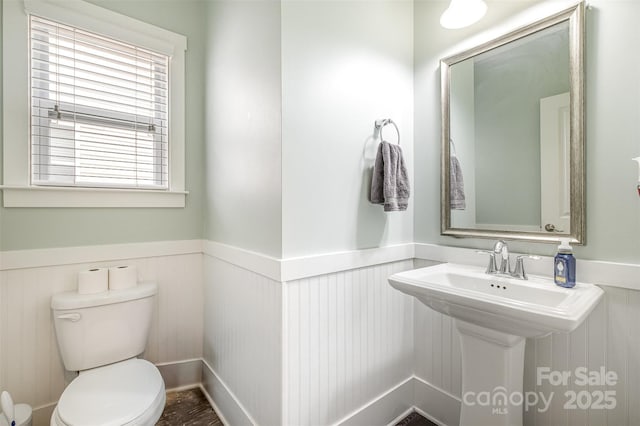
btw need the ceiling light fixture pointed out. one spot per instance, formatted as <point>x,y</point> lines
<point>462,13</point>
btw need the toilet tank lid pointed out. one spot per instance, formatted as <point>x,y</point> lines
<point>74,300</point>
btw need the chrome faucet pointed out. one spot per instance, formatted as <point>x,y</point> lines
<point>500,249</point>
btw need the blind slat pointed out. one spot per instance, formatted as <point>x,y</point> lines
<point>61,56</point>
<point>125,157</point>
<point>139,155</point>
<point>98,110</point>
<point>105,83</point>
<point>118,76</point>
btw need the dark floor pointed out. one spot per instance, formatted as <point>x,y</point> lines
<point>188,408</point>
<point>191,408</point>
<point>415,419</point>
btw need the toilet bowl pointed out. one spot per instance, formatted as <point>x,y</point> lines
<point>100,336</point>
<point>127,393</point>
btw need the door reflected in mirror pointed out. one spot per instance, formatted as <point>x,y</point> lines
<point>512,137</point>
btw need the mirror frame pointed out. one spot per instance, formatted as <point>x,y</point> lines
<point>575,15</point>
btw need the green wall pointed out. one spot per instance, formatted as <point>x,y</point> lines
<point>243,200</point>
<point>612,132</point>
<point>30,228</point>
<point>508,89</point>
<point>612,125</point>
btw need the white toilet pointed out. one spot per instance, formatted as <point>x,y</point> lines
<point>100,335</point>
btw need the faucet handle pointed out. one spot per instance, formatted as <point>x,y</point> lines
<point>491,267</point>
<point>519,271</point>
<point>500,247</point>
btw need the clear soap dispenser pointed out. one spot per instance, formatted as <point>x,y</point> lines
<point>564,265</point>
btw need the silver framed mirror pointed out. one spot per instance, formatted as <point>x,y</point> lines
<point>512,141</point>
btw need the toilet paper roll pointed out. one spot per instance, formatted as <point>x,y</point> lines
<point>121,277</point>
<point>93,281</point>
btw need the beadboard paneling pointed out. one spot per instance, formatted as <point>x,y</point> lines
<point>348,340</point>
<point>437,354</point>
<point>30,364</point>
<point>609,337</point>
<point>243,338</point>
<point>176,333</point>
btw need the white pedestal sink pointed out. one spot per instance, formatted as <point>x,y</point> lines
<point>494,315</point>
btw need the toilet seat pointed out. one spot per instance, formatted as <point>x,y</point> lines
<point>127,393</point>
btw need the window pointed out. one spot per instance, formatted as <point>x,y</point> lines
<point>105,112</point>
<point>98,110</point>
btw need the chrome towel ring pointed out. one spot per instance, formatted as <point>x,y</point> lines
<point>379,125</point>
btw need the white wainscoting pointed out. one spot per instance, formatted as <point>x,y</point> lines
<point>348,340</point>
<point>30,365</point>
<point>333,326</point>
<point>332,343</point>
<point>329,349</point>
<point>609,338</point>
<point>243,343</point>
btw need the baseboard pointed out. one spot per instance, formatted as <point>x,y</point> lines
<point>383,409</point>
<point>181,375</point>
<point>41,415</point>
<point>402,416</point>
<point>437,405</point>
<point>412,394</point>
<point>227,406</point>
<point>215,407</point>
<point>428,417</point>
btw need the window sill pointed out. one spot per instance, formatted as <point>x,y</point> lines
<point>37,196</point>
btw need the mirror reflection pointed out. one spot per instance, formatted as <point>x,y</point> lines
<point>512,133</point>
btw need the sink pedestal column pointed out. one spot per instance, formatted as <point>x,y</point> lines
<point>492,372</point>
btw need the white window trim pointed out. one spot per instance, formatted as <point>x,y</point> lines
<point>16,188</point>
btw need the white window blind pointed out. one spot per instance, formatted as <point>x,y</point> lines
<point>99,110</point>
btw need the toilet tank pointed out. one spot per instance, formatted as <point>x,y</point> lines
<point>103,328</point>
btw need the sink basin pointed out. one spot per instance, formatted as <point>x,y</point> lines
<point>493,316</point>
<point>528,308</point>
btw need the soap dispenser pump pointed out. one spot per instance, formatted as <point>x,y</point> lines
<point>564,265</point>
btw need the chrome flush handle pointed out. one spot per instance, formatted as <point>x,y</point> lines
<point>73,317</point>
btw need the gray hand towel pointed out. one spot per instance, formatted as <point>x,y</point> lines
<point>390,182</point>
<point>456,185</point>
